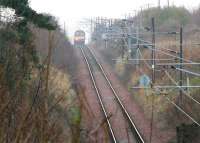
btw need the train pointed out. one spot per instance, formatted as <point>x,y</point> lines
<point>79,39</point>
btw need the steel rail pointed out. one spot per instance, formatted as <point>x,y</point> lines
<point>138,135</point>
<point>100,99</point>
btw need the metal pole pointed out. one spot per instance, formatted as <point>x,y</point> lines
<point>106,44</point>
<point>0,13</point>
<point>153,51</point>
<point>65,29</point>
<point>181,65</point>
<point>129,46</point>
<point>168,3</point>
<point>159,4</point>
<point>153,75</point>
<point>180,140</point>
<point>141,17</point>
<point>138,46</point>
<point>91,28</point>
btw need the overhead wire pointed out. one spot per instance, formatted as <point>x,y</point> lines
<point>187,71</point>
<point>181,110</point>
<point>170,77</point>
<point>185,93</point>
<point>149,47</point>
<point>186,60</point>
<point>145,61</point>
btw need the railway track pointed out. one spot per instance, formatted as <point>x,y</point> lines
<point>94,66</point>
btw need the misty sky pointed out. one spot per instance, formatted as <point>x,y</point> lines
<point>74,11</point>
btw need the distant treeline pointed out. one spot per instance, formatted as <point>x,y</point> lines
<point>171,17</point>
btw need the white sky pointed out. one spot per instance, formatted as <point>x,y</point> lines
<point>73,11</point>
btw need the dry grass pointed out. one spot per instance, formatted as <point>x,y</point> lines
<point>23,118</point>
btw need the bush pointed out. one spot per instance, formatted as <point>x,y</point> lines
<point>167,17</point>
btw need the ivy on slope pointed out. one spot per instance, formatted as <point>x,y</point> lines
<point>17,51</point>
<point>23,9</point>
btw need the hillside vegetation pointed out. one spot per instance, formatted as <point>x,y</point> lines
<point>38,102</point>
<point>167,18</point>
